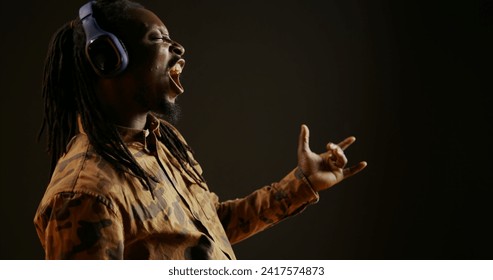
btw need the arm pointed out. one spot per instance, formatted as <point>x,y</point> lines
<point>80,226</point>
<point>267,206</point>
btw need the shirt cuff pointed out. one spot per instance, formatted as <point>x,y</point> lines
<point>298,173</point>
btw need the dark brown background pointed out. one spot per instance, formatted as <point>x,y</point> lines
<point>409,79</point>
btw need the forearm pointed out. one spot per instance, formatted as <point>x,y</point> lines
<point>266,207</point>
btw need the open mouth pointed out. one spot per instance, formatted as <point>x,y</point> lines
<point>174,74</point>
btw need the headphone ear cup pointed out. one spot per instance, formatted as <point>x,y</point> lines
<point>107,55</point>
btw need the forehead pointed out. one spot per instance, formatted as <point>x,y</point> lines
<point>142,21</point>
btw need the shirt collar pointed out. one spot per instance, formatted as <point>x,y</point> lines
<point>131,135</point>
<point>146,137</point>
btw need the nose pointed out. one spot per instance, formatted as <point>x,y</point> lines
<point>177,49</point>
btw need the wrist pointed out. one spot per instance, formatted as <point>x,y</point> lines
<point>300,175</point>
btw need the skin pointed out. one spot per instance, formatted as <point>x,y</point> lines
<point>145,86</point>
<point>326,169</point>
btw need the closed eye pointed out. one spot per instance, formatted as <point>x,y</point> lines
<point>164,38</point>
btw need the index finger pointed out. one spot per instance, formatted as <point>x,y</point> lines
<point>346,142</point>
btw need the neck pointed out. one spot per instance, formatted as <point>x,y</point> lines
<point>125,116</point>
<point>119,105</point>
<point>134,122</point>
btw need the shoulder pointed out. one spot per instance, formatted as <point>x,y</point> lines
<point>82,170</point>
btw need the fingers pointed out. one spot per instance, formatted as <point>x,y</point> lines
<point>348,172</point>
<point>345,143</point>
<point>336,157</point>
<point>304,139</point>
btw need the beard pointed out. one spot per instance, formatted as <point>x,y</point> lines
<point>163,108</point>
<point>168,111</point>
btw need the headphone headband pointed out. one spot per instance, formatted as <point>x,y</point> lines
<point>104,51</point>
<point>85,10</point>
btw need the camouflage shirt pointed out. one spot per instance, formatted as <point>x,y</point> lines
<point>91,211</point>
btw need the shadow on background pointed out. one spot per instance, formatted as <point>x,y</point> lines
<point>409,80</point>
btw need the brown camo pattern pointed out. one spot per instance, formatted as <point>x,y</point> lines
<point>89,211</point>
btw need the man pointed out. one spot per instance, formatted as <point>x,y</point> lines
<point>124,182</point>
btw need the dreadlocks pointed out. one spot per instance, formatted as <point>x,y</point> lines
<point>69,94</point>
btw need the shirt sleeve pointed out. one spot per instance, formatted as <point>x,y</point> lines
<point>265,207</point>
<point>80,226</point>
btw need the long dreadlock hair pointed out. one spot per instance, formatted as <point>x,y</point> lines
<point>68,90</point>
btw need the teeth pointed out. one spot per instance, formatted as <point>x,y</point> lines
<point>176,69</point>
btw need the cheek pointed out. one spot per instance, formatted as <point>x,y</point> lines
<point>149,69</point>
<point>159,58</point>
<point>150,58</point>
<point>158,84</point>
<point>158,66</point>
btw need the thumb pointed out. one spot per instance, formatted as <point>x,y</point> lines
<point>304,140</point>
